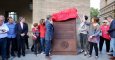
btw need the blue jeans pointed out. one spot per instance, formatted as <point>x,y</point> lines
<point>35,46</point>
<point>42,42</point>
<point>113,45</point>
<point>3,43</point>
<point>48,46</point>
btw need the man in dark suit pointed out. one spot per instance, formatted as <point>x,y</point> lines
<point>48,35</point>
<point>21,32</point>
<point>112,35</point>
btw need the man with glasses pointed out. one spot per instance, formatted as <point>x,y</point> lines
<point>3,34</point>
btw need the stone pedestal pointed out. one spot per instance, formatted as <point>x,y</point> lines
<point>64,41</point>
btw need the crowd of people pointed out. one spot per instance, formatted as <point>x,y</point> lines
<point>94,33</point>
<point>14,37</point>
<point>42,36</point>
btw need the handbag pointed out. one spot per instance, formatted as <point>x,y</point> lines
<point>93,39</point>
<point>34,38</point>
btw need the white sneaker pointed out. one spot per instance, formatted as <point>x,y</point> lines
<point>85,53</point>
<point>42,53</point>
<point>49,53</point>
<point>89,55</point>
<point>81,51</point>
<point>96,57</point>
<point>108,53</point>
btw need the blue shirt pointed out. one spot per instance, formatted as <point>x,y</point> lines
<point>112,29</point>
<point>11,32</point>
<point>49,30</point>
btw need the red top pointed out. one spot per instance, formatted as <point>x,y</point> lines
<point>104,30</point>
<point>35,31</point>
<point>42,30</point>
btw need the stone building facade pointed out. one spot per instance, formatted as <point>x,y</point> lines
<point>19,7</point>
<point>34,10</point>
<point>107,8</point>
<point>42,8</point>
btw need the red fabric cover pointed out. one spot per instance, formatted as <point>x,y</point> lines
<point>65,15</point>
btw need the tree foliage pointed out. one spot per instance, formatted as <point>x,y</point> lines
<point>94,12</point>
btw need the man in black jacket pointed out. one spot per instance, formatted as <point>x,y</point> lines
<point>21,32</point>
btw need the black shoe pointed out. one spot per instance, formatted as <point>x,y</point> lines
<point>85,54</point>
<point>32,50</point>
<point>27,47</point>
<point>19,56</point>
<point>47,54</point>
<point>110,54</point>
<point>23,54</point>
<point>13,55</point>
<point>8,57</point>
<point>35,53</point>
<point>5,59</point>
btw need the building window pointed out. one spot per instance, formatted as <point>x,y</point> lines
<point>13,15</point>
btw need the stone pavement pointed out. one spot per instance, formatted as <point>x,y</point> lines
<point>31,56</point>
<point>60,57</point>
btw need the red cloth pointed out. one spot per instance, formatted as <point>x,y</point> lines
<point>65,15</point>
<point>104,30</point>
<point>42,31</point>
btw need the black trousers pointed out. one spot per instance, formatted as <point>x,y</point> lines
<point>11,42</point>
<point>95,47</point>
<point>8,47</point>
<point>101,44</point>
<point>26,43</point>
<point>21,46</point>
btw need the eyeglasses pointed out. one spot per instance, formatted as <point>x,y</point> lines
<point>104,22</point>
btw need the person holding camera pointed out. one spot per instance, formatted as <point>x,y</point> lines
<point>3,37</point>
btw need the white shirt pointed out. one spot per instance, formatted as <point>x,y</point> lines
<point>83,28</point>
<point>3,35</point>
<point>21,25</point>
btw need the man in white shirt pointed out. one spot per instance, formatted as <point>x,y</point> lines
<point>3,34</point>
<point>21,32</point>
<point>83,33</point>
